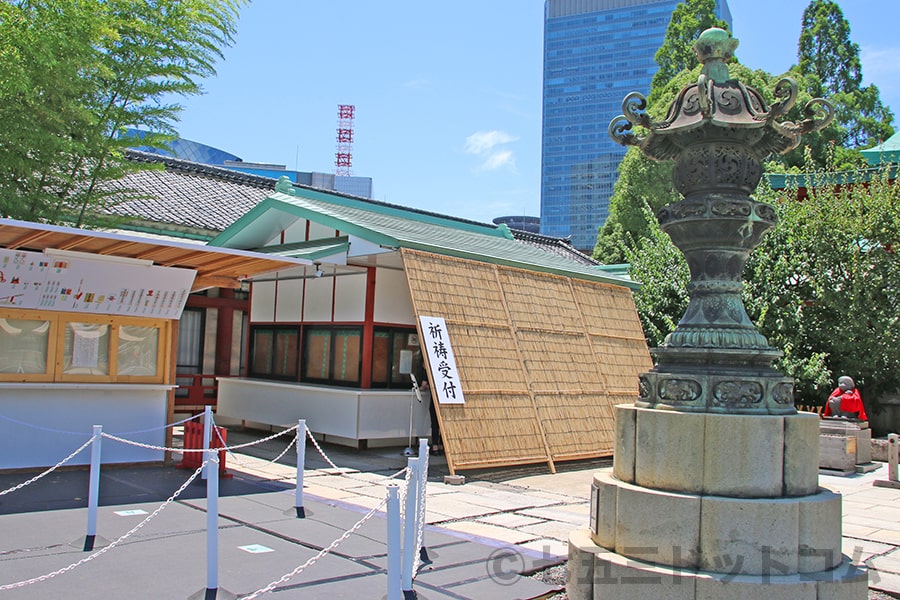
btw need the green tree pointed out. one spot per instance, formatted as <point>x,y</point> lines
<point>827,55</point>
<point>824,286</point>
<point>48,60</point>
<point>75,74</point>
<point>642,183</point>
<point>830,64</point>
<point>663,272</point>
<point>689,19</point>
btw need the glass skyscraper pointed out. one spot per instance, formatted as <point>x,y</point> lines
<point>595,52</point>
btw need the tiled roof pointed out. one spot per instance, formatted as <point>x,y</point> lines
<point>206,197</point>
<point>561,247</point>
<point>201,201</point>
<point>399,228</point>
<point>188,196</point>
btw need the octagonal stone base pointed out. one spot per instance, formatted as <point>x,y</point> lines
<point>712,506</point>
<point>596,573</point>
<point>740,536</point>
<point>746,456</point>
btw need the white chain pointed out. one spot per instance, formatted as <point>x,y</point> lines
<point>339,470</point>
<point>241,463</point>
<point>166,449</point>
<point>51,469</point>
<point>420,509</point>
<point>116,438</point>
<point>260,441</point>
<point>403,491</point>
<point>315,558</point>
<point>319,448</point>
<point>111,545</point>
<point>166,426</point>
<point>397,474</point>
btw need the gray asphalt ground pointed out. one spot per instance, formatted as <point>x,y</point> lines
<point>260,539</point>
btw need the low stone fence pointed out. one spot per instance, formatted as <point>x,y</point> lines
<point>880,449</point>
<point>879,445</point>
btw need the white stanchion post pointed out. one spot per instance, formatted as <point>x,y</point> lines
<point>212,524</point>
<point>422,489</point>
<point>207,430</point>
<point>393,542</point>
<point>409,524</point>
<point>93,490</point>
<point>301,465</point>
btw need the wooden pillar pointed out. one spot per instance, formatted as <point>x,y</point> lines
<point>368,339</point>
<point>224,334</point>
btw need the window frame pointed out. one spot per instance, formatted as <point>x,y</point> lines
<point>186,368</point>
<point>332,330</point>
<point>418,370</point>
<point>55,359</point>
<point>274,330</point>
<point>49,359</point>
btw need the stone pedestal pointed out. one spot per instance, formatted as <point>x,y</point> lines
<point>712,506</point>
<point>845,445</point>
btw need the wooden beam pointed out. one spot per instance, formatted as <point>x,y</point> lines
<point>115,249</point>
<point>74,242</point>
<point>203,282</point>
<point>25,240</point>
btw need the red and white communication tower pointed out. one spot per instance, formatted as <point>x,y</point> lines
<point>344,155</point>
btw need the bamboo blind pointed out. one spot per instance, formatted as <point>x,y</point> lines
<point>542,360</point>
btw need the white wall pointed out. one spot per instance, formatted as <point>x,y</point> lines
<point>296,232</point>
<point>262,304</point>
<point>317,231</point>
<point>318,299</point>
<point>347,293</point>
<point>350,297</point>
<point>289,302</point>
<point>393,303</point>
<point>344,412</point>
<point>42,423</point>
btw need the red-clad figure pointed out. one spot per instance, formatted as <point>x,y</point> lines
<point>845,401</point>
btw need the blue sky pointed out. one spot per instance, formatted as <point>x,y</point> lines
<point>447,94</point>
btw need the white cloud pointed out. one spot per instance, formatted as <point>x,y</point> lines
<point>485,145</point>
<point>482,142</point>
<point>496,160</point>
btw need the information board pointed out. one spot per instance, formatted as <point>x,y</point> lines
<point>41,281</point>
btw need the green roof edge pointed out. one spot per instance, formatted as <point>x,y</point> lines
<point>282,202</point>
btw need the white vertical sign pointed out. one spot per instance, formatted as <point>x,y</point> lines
<point>441,361</point>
